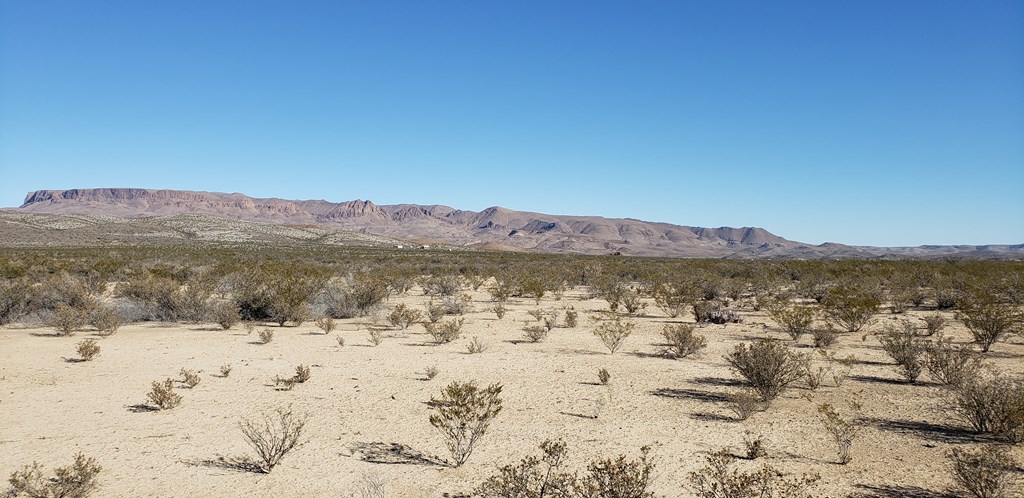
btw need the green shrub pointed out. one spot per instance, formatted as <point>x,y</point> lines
<point>464,413</point>
<point>901,343</point>
<point>681,341</point>
<point>849,308</point>
<point>768,366</point>
<point>934,324</point>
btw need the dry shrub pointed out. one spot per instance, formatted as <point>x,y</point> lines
<point>464,412</point>
<point>225,314</point>
<point>571,318</point>
<point>714,312</point>
<point>341,341</point>
<point>14,299</point>
<point>536,333</point>
<point>402,316</point>
<point>843,431</point>
<point>88,349</point>
<point>717,479</point>
<point>681,341</point>
<point>950,364</point>
<point>457,305</point>
<point>225,370</point>
<point>326,324</point>
<point>441,285</point>
<point>431,372</point>
<point>901,343</point>
<point>537,314</point>
<point>266,335</point>
<point>106,320</point>
<point>476,346</point>
<point>991,405</point>
<point>934,324</point>
<point>302,374</point>
<point>768,366</point>
<point>984,473</point>
<point>603,376</point>
<point>672,299</point>
<point>989,318</point>
<point>77,481</point>
<point>745,403</point>
<point>189,377</point>
<point>849,308</point>
<point>542,476</point>
<point>613,331</point>
<point>163,396</point>
<point>618,478</point>
<point>445,331</point>
<point>824,336</point>
<point>273,436</point>
<point>753,446</point>
<point>376,336</point>
<point>794,319</point>
<point>499,310</point>
<point>67,319</point>
<point>434,312</point>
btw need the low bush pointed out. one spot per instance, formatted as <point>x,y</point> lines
<point>603,376</point>
<point>499,310</point>
<point>457,305</point>
<point>991,405</point>
<point>745,403</point>
<point>266,335</point>
<point>434,312</point>
<point>402,316</point>
<point>76,481</point>
<point>613,331</point>
<point>274,436</point>
<point>536,333</point>
<point>376,336</point>
<point>445,331</point>
<point>842,431</point>
<point>225,314</point>
<point>326,324</point>
<point>88,349</point>
<point>717,479</point>
<point>571,318</point>
<point>934,324</point>
<point>106,320</point>
<point>850,308</point>
<point>824,336</point>
<point>431,372</point>
<point>464,413</point>
<point>67,319</point>
<point>618,477</point>
<point>190,378</point>
<point>714,312</point>
<point>949,364</point>
<point>225,370</point>
<point>901,343</point>
<point>795,320</point>
<point>768,366</point>
<point>476,346</point>
<point>987,472</point>
<point>163,396</point>
<point>989,318</point>
<point>681,341</point>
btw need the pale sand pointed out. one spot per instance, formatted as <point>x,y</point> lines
<point>361,395</point>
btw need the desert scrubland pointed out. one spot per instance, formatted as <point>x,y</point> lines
<point>769,369</point>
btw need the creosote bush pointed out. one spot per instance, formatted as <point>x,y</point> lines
<point>76,481</point>
<point>163,396</point>
<point>951,364</point>
<point>901,343</point>
<point>849,308</point>
<point>745,403</point>
<point>613,331</point>
<point>476,346</point>
<point>934,324</point>
<point>571,318</point>
<point>603,376</point>
<point>989,318</point>
<point>681,341</point>
<point>431,372</point>
<point>536,333</point>
<point>274,436</point>
<point>842,431</point>
<point>266,335</point>
<point>991,405</point>
<point>542,476</point>
<point>225,370</point>
<point>768,366</point>
<point>376,336</point>
<point>796,320</point>
<point>67,319</point>
<point>226,315</point>
<point>499,310</point>
<point>105,320</point>
<point>717,479</point>
<point>326,324</point>
<point>986,472</point>
<point>88,349</point>
<point>445,331</point>
<point>464,413</point>
<point>189,377</point>
<point>824,336</point>
<point>402,316</point>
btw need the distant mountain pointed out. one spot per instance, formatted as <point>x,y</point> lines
<point>492,228</point>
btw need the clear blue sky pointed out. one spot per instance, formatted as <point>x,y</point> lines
<point>863,122</point>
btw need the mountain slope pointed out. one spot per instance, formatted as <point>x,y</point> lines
<point>493,227</point>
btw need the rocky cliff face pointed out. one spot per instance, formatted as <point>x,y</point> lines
<point>492,227</point>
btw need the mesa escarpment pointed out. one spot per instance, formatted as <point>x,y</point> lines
<point>491,227</point>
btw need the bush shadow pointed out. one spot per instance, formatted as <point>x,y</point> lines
<point>393,453</point>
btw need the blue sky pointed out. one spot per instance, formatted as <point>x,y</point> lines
<point>875,123</point>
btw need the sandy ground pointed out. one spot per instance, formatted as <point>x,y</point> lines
<point>362,398</point>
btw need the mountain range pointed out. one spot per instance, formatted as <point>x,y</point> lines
<point>124,215</point>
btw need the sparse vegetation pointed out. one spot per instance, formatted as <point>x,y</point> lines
<point>842,431</point>
<point>225,370</point>
<point>88,349</point>
<point>445,331</point>
<point>476,346</point>
<point>681,341</point>
<point>326,324</point>
<point>266,335</point>
<point>901,343</point>
<point>717,479</point>
<point>75,481</point>
<point>989,318</point>
<point>189,377</point>
<point>402,316</point>
<point>464,413</point>
<point>987,472</point>
<point>536,333</point>
<point>991,405</point>
<point>274,436</point>
<point>163,396</point>
<point>613,331</point>
<point>850,308</point>
<point>768,366</point>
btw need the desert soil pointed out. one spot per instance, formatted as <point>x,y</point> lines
<point>368,414</point>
